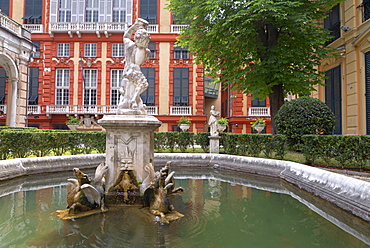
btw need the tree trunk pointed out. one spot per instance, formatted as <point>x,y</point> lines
<point>276,101</point>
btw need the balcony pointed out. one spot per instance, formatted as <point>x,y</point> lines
<point>90,109</point>
<point>13,26</point>
<point>33,109</point>
<point>87,27</point>
<point>34,28</point>
<point>180,110</point>
<point>259,111</point>
<point>153,28</point>
<point>177,28</point>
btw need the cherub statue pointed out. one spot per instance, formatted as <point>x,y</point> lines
<point>134,82</point>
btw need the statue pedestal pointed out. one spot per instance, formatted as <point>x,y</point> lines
<point>129,145</point>
<point>214,144</point>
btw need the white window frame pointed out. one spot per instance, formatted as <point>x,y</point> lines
<point>90,86</point>
<point>62,83</point>
<point>90,49</point>
<point>118,50</point>
<point>65,11</point>
<point>92,8</point>
<point>115,84</point>
<point>119,13</point>
<point>63,49</point>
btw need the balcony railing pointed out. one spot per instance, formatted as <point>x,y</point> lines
<point>87,26</point>
<point>180,110</point>
<point>90,109</point>
<point>259,111</point>
<point>153,28</point>
<point>34,28</point>
<point>3,108</point>
<point>13,26</point>
<point>177,28</point>
<point>33,109</point>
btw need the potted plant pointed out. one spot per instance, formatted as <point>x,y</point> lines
<point>73,123</point>
<point>184,123</point>
<point>259,125</point>
<point>222,124</point>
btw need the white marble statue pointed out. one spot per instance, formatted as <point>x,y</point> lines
<point>213,121</point>
<point>134,82</point>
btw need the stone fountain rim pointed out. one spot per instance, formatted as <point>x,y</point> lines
<point>350,194</point>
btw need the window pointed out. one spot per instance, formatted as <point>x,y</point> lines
<point>365,6</point>
<point>181,86</point>
<point>333,95</point>
<point>33,12</point>
<point>116,77</point>
<point>119,11</point>
<point>257,103</point>
<point>90,49</point>
<point>2,85</point>
<point>332,23</point>
<point>62,87</point>
<point>63,49</point>
<point>33,86</point>
<point>65,11</point>
<point>180,53</point>
<point>367,91</point>
<point>210,88</point>
<point>90,85</point>
<point>92,11</point>
<point>4,6</point>
<point>37,53</point>
<point>176,21</point>
<point>148,96</point>
<point>118,50</point>
<point>148,10</point>
<point>153,49</point>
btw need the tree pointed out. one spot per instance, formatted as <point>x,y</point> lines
<point>265,47</point>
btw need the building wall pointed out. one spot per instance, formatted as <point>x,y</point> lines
<point>164,64</point>
<point>350,47</point>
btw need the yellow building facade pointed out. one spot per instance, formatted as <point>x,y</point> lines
<point>347,83</point>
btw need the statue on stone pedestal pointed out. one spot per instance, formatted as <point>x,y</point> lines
<point>134,82</point>
<point>212,122</point>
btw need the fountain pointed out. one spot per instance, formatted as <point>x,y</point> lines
<point>126,188</point>
<point>127,178</point>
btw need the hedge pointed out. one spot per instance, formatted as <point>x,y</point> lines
<point>254,144</point>
<point>24,142</point>
<point>348,150</point>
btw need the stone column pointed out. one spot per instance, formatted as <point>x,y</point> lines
<point>129,145</point>
<point>11,112</point>
<point>214,144</point>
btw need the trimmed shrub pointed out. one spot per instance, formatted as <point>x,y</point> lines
<point>305,115</point>
<point>202,139</point>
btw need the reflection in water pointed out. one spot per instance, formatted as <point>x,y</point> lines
<point>217,214</point>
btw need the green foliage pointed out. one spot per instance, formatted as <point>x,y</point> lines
<point>160,140</point>
<point>171,140</point>
<point>24,142</point>
<point>259,121</point>
<point>73,121</point>
<point>202,139</point>
<point>184,140</point>
<point>223,121</point>
<point>349,151</point>
<point>184,120</point>
<point>305,115</point>
<point>231,37</point>
<point>254,145</point>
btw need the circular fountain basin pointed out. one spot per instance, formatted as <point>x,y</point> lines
<point>220,207</point>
